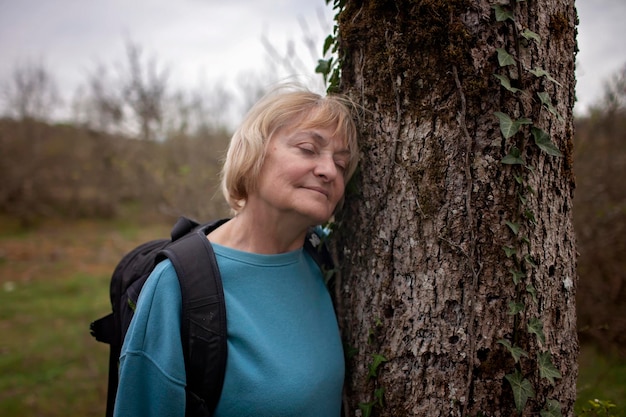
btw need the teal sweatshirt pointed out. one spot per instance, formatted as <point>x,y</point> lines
<point>284,351</point>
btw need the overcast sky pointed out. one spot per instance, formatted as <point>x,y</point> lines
<point>208,42</point>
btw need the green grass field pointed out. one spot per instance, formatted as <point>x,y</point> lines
<point>54,281</point>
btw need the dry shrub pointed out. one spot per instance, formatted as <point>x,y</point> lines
<point>71,172</point>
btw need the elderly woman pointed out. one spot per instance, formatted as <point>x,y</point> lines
<point>285,171</point>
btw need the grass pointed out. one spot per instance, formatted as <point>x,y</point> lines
<point>54,280</point>
<point>47,351</point>
<point>601,377</point>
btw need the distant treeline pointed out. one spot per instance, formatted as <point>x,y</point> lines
<point>72,172</point>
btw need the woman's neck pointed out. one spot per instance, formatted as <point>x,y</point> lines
<point>259,234</point>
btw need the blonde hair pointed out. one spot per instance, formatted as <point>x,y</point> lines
<point>277,110</point>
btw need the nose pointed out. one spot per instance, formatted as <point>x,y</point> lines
<point>325,167</point>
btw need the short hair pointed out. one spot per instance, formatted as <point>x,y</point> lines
<point>279,109</point>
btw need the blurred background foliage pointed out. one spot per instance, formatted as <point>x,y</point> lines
<point>66,171</point>
<point>600,218</point>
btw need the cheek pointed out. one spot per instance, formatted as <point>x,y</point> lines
<point>295,171</point>
<point>340,188</point>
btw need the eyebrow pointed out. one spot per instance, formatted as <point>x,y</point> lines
<point>322,140</point>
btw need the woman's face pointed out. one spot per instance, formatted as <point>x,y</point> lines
<point>302,174</point>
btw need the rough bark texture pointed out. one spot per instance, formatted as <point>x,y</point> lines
<point>425,281</point>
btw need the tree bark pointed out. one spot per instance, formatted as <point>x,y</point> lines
<point>426,284</point>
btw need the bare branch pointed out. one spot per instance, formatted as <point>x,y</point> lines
<point>31,92</point>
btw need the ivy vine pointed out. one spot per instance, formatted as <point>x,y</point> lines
<point>518,133</point>
<point>330,66</point>
<point>377,361</point>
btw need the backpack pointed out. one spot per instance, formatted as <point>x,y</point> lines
<point>203,318</point>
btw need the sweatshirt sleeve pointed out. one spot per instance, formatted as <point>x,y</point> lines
<point>152,368</point>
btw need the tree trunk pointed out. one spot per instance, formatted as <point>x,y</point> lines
<point>457,246</point>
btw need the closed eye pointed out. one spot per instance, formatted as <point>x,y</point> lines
<point>342,165</point>
<point>307,149</point>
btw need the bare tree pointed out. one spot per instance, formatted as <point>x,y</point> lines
<point>129,97</point>
<point>100,104</point>
<point>203,111</point>
<point>615,92</point>
<point>31,93</point>
<point>457,290</point>
<point>144,88</point>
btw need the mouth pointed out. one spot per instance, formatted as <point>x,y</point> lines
<point>320,190</point>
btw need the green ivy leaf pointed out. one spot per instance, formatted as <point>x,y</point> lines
<point>379,395</point>
<point>530,261</point>
<point>545,98</point>
<point>506,83</point>
<point>351,351</point>
<point>328,274</point>
<point>508,251</point>
<point>530,216</point>
<point>515,308</point>
<point>547,102</point>
<point>517,276</point>
<point>366,408</point>
<point>546,367</point>
<point>531,36</point>
<point>504,58</point>
<point>552,409</point>
<point>532,291</point>
<point>502,13</point>
<point>373,368</point>
<point>333,81</point>
<point>508,126</point>
<point>328,42</point>
<point>540,72</point>
<point>513,226</point>
<point>513,158</point>
<point>323,67</point>
<point>522,389</point>
<point>516,351</point>
<point>535,326</point>
<point>542,140</point>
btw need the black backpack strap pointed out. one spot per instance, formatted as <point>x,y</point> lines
<point>103,330</point>
<point>203,321</point>
<point>183,226</point>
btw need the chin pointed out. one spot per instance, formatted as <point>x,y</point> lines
<point>318,217</point>
<point>315,211</point>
